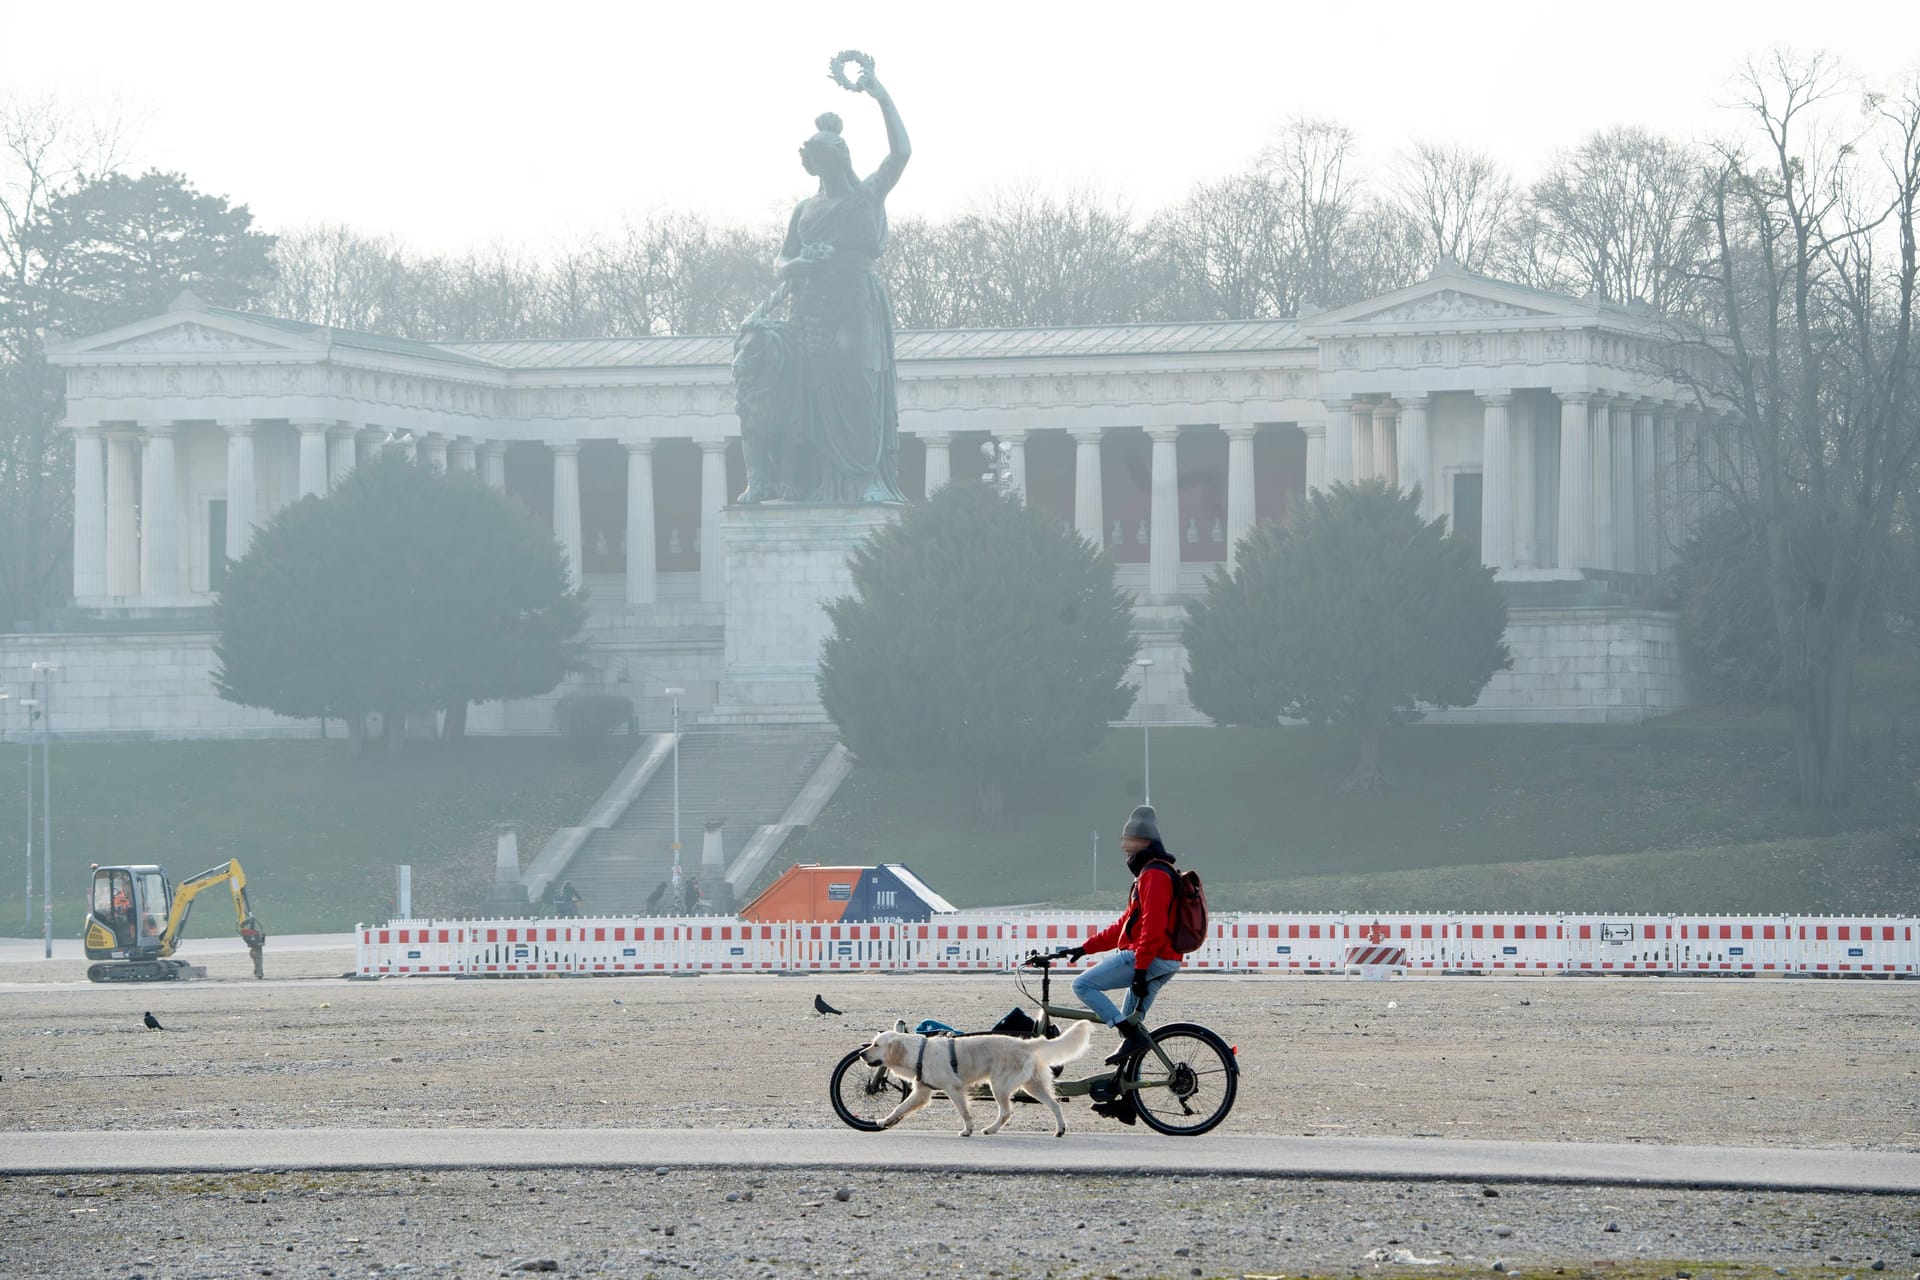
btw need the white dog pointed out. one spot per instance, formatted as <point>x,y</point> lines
<point>952,1063</point>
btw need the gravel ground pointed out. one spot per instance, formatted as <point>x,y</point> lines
<point>682,1222</point>
<point>1758,1063</point>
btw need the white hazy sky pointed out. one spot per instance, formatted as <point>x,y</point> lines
<point>455,125</point>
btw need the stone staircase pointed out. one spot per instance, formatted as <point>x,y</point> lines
<point>746,778</point>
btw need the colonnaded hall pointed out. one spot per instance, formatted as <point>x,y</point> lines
<point>1536,423</point>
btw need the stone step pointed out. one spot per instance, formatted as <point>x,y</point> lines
<point>747,778</point>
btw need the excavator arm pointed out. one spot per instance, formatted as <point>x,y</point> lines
<point>192,887</point>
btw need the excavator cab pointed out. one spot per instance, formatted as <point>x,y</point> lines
<point>127,913</point>
<point>135,916</point>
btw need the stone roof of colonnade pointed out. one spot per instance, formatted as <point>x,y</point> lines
<point>1166,338</point>
<point>1183,338</point>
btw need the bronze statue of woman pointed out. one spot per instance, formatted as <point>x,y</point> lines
<point>845,431</point>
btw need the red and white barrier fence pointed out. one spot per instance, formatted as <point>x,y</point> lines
<point>1841,946</point>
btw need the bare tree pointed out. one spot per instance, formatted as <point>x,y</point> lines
<point>1811,259</point>
<point>1460,203</point>
<point>333,275</point>
<point>46,152</point>
<point>1023,257</point>
<point>1312,166</point>
<point>1220,253</point>
<point>1616,216</point>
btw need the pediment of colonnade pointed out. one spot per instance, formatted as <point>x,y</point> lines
<point>1456,331</point>
<point>195,362</point>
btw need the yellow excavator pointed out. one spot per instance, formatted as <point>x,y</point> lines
<point>135,916</point>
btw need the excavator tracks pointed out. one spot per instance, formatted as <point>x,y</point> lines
<point>139,971</point>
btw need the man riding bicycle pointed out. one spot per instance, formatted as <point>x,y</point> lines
<point>1143,957</point>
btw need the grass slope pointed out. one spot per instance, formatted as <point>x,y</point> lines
<point>318,831</point>
<point>1689,812</point>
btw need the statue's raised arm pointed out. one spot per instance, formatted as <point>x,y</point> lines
<point>899,150</point>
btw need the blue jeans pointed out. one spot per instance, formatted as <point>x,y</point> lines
<point>1115,973</point>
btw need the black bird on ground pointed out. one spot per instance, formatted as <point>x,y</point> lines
<point>821,1006</point>
<point>153,1023</point>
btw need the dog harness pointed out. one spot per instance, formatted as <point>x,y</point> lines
<point>953,1058</point>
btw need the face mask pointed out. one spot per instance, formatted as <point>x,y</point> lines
<point>1137,862</point>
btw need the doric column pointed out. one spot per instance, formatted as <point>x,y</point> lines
<point>1017,460</point>
<point>240,485</point>
<point>1626,510</point>
<point>433,451</point>
<point>493,464</point>
<point>1089,506</point>
<point>1365,467</point>
<point>641,561</point>
<point>123,529</point>
<point>1668,528</point>
<point>1576,480</point>
<point>566,504</point>
<point>1163,530</point>
<point>1496,480</point>
<point>313,457</point>
<point>343,453</point>
<point>159,514</point>
<point>1601,481</point>
<point>1411,455</point>
<point>1722,435</point>
<point>1316,433</point>
<point>460,455</point>
<point>89,513</point>
<point>1240,513</point>
<point>1339,446</point>
<point>373,442</point>
<point>713,500</point>
<point>1526,535</point>
<point>1384,415</point>
<point>1646,498</point>
<point>1686,477</point>
<point>939,462</point>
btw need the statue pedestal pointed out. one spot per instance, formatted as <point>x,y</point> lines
<point>784,563</point>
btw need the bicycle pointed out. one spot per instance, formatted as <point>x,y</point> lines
<point>1184,1087</point>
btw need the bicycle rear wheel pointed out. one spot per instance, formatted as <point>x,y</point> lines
<point>862,1095</point>
<point>1197,1093</point>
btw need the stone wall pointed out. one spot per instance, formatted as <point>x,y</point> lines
<point>131,678</point>
<point>133,685</point>
<point>1603,665</point>
<point>1584,652</point>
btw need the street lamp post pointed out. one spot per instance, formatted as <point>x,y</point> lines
<point>4,698</point>
<point>675,695</point>
<point>46,671</point>
<point>32,707</point>
<point>1146,731</point>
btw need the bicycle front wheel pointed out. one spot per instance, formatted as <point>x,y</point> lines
<point>863,1095</point>
<point>1196,1094</point>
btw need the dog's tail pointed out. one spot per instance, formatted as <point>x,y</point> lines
<point>1069,1046</point>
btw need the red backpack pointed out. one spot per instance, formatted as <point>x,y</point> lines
<point>1187,918</point>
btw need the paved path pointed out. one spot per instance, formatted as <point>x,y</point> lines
<point>1389,1159</point>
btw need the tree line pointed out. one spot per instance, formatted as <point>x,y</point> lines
<point>1305,225</point>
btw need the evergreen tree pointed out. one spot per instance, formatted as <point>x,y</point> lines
<point>982,636</point>
<point>404,590</point>
<point>1354,611</point>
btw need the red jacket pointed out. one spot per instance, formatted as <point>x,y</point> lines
<point>1142,927</point>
